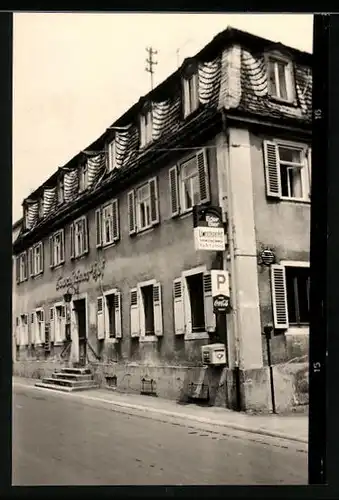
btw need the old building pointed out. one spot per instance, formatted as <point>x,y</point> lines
<point>106,268</point>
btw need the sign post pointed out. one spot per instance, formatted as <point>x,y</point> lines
<point>209,234</point>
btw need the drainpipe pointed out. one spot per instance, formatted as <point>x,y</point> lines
<point>233,280</point>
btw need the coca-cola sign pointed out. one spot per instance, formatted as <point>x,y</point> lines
<point>221,303</point>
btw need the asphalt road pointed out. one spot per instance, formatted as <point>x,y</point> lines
<point>58,440</point>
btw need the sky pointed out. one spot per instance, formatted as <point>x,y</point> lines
<point>74,74</point>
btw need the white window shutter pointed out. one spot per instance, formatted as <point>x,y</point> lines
<point>153,186</point>
<point>115,220</point>
<point>117,312</point>
<point>309,166</point>
<point>272,169</point>
<point>17,269</point>
<point>186,97</point>
<point>62,245</point>
<point>100,318</point>
<point>63,323</point>
<point>210,323</point>
<point>178,306</point>
<point>52,324</point>
<point>17,331</point>
<point>72,240</point>
<point>41,259</point>
<point>33,328</point>
<point>173,184</point>
<point>85,234</point>
<point>279,296</point>
<point>98,226</point>
<point>203,176</point>
<point>25,265</point>
<point>51,251</point>
<point>131,212</point>
<point>42,340</point>
<point>30,262</point>
<point>135,319</point>
<point>157,308</point>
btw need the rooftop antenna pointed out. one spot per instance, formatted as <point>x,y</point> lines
<point>151,63</point>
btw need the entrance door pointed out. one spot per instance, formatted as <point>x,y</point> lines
<point>80,311</point>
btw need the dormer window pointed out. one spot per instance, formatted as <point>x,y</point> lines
<point>60,191</point>
<point>280,78</point>
<point>41,208</point>
<point>146,127</point>
<point>111,155</point>
<point>191,94</point>
<point>83,177</point>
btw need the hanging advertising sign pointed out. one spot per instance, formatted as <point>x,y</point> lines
<point>220,290</point>
<point>209,233</point>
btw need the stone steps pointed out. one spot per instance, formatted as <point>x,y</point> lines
<point>69,379</point>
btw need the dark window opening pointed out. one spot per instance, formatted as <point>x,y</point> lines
<point>111,315</point>
<point>196,295</point>
<point>147,296</point>
<point>298,295</point>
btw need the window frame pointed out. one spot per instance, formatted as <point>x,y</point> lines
<point>62,248</point>
<point>146,127</point>
<point>182,199</point>
<point>112,154</point>
<point>189,334</point>
<point>36,322</point>
<point>190,102</point>
<point>22,263</point>
<point>276,58</point>
<point>117,336</point>
<point>85,235</point>
<point>305,167</point>
<point>135,204</point>
<point>83,177</point>
<point>40,270</point>
<point>149,337</point>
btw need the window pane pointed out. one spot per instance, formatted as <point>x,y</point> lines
<point>294,175</point>
<point>188,202</point>
<point>284,181</point>
<point>289,154</point>
<point>303,296</point>
<point>291,298</point>
<point>282,79</point>
<point>189,168</point>
<point>143,192</point>
<point>271,77</point>
<point>195,289</point>
<point>195,190</point>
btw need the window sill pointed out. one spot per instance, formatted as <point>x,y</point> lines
<point>112,340</point>
<point>37,275</point>
<point>146,230</point>
<point>295,200</point>
<point>297,330</point>
<point>286,102</point>
<point>58,343</point>
<point>196,336</point>
<point>58,266</point>
<point>148,338</point>
<point>79,257</point>
<point>104,246</point>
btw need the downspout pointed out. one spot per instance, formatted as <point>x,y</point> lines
<point>233,278</point>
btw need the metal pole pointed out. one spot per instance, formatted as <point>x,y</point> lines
<point>268,331</point>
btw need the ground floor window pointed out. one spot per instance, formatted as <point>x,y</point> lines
<point>193,306</point>
<point>109,324</point>
<point>195,286</point>
<point>290,295</point>
<point>146,310</point>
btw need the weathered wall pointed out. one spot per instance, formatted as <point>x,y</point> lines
<point>161,253</point>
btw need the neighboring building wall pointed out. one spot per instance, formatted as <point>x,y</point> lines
<point>284,227</point>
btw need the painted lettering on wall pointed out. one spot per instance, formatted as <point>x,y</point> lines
<point>95,272</point>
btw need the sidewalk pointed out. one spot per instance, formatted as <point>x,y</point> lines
<point>292,427</point>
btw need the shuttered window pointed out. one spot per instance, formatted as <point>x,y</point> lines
<point>279,296</point>
<point>100,318</point>
<point>178,307</point>
<point>79,237</point>
<point>22,267</point>
<point>193,186</point>
<point>107,224</point>
<point>143,206</point>
<point>134,313</point>
<point>287,171</point>
<point>57,248</point>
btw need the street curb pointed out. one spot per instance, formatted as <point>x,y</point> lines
<point>230,425</point>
